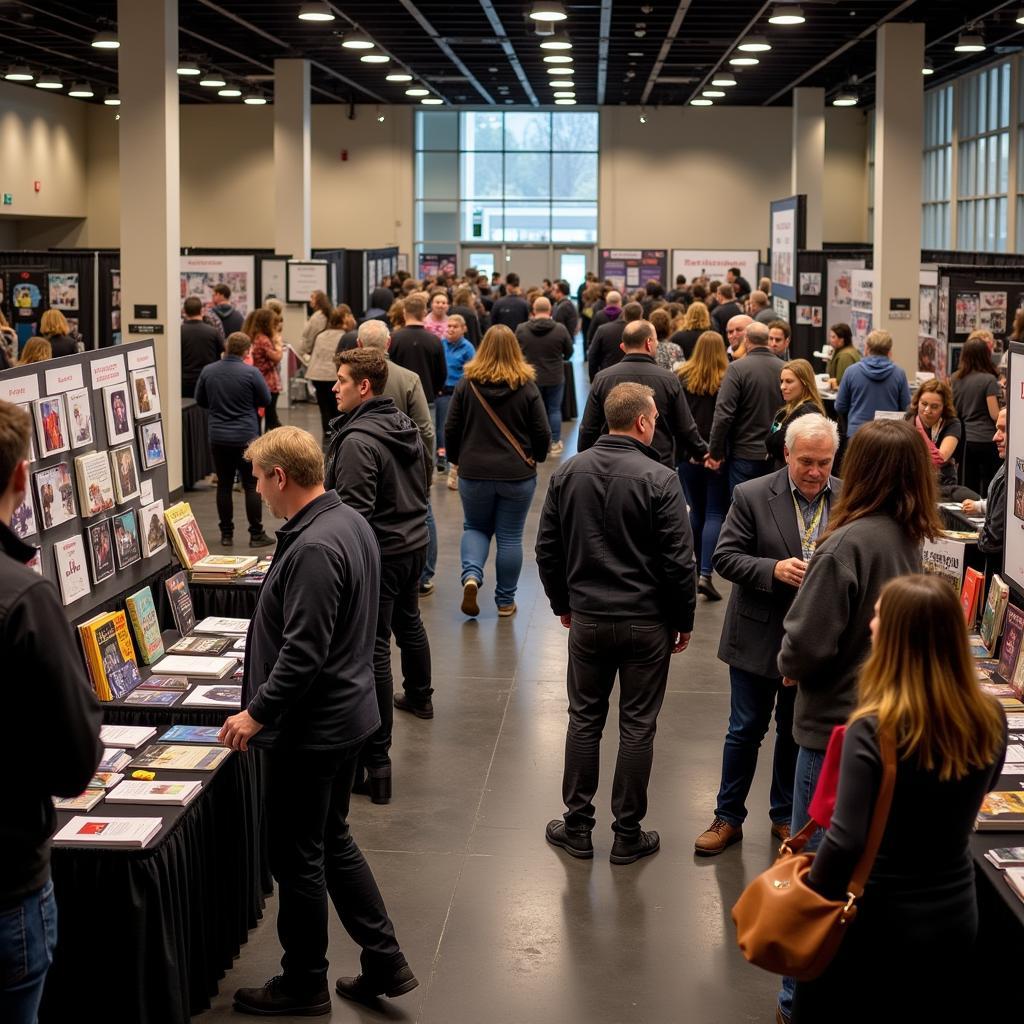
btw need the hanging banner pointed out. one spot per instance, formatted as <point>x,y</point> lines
<point>714,263</point>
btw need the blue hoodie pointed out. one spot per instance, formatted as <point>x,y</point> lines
<point>873,385</point>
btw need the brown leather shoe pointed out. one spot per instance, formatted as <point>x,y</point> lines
<point>780,829</point>
<point>718,836</point>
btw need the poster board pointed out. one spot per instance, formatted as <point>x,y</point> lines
<point>714,263</point>
<point>305,277</point>
<point>1013,545</point>
<point>430,264</point>
<point>273,277</point>
<point>862,287</point>
<point>199,274</point>
<point>632,268</point>
<point>786,229</point>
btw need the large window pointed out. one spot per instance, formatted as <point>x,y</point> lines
<point>515,176</point>
<point>937,168</point>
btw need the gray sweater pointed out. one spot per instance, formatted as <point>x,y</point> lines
<point>827,628</point>
<point>746,406</point>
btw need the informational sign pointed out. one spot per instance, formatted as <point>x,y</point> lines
<point>432,263</point>
<point>199,274</point>
<point>18,390</point>
<point>140,358</point>
<point>786,231</point>
<point>109,370</point>
<point>633,268</point>
<point>305,277</point>
<point>145,328</point>
<point>946,559</point>
<point>145,312</point>
<point>1013,544</point>
<point>64,378</point>
<point>714,263</point>
<point>273,277</point>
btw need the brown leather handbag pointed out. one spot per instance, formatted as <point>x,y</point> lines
<point>785,926</point>
<point>505,432</point>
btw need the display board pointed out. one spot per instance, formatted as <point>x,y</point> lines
<point>787,228</point>
<point>430,264</point>
<point>97,473</point>
<point>305,277</point>
<point>273,277</point>
<point>199,274</point>
<point>1013,545</point>
<point>632,268</point>
<point>714,263</point>
<point>862,287</point>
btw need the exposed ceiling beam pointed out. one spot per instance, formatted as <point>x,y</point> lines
<point>510,53</point>
<point>348,81</point>
<point>445,48</point>
<point>729,49</point>
<point>666,46</point>
<point>604,34</point>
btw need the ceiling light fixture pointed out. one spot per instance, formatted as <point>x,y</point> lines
<point>1020,17</point>
<point>112,99</point>
<point>558,41</point>
<point>315,10</point>
<point>105,40</point>
<point>213,81</point>
<point>417,91</point>
<point>81,91</point>
<point>357,41</point>
<point>19,73</point>
<point>565,95</point>
<point>230,91</point>
<point>787,14</point>
<point>723,79</point>
<point>565,103</point>
<point>561,71</point>
<point>562,83</point>
<point>744,61</point>
<point>701,103</point>
<point>845,98</point>
<point>713,94</point>
<point>755,44</point>
<point>432,101</point>
<point>188,69</point>
<point>928,68</point>
<point>49,82</point>
<point>634,53</point>
<point>255,99</point>
<point>558,58</point>
<point>375,58</point>
<point>398,76</point>
<point>969,42</point>
<point>548,10</point>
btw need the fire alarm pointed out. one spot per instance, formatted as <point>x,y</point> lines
<point>344,155</point>
<point>37,185</point>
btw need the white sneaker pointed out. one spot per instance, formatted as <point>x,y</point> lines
<point>453,478</point>
<point>557,448</point>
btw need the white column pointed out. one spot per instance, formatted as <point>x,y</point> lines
<point>899,141</point>
<point>292,219</point>
<point>809,158</point>
<point>150,199</point>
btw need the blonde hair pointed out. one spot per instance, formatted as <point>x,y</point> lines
<point>804,372</point>
<point>697,317</point>
<point>702,373</point>
<point>499,359</point>
<point>919,681</point>
<point>296,451</point>
<point>35,351</point>
<point>53,322</point>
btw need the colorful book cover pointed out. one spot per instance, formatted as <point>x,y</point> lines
<point>110,655</point>
<point>83,802</point>
<point>181,758</point>
<point>146,625</point>
<point>185,534</point>
<point>1002,810</point>
<point>113,760</point>
<point>969,595</point>
<point>181,602</point>
<point>1010,652</point>
<point>164,683</point>
<point>995,610</point>
<point>191,734</point>
<point>200,645</point>
<point>154,698</point>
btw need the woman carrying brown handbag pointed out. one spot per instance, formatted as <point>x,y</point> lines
<point>906,954</point>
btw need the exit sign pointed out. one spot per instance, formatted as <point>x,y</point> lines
<point>8,199</point>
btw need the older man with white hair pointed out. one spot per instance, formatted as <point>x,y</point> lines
<point>766,542</point>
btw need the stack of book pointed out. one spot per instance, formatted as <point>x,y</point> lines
<point>109,655</point>
<point>222,568</point>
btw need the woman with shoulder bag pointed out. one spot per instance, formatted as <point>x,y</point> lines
<point>496,432</point>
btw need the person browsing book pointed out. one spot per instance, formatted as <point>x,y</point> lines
<point>992,534</point>
<point>53,710</point>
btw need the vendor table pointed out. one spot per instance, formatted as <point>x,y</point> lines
<point>196,459</point>
<point>232,599</point>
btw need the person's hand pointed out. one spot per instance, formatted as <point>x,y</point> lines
<point>786,681</point>
<point>710,463</point>
<point>680,641</point>
<point>970,507</point>
<point>833,384</point>
<point>790,571</point>
<point>566,620</point>
<point>238,730</point>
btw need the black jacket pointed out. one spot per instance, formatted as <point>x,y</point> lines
<point>614,537</point>
<point>722,314</point>
<point>232,391</point>
<point>415,348</point>
<point>376,463</point>
<point>229,316</point>
<point>546,346</point>
<point>603,350</point>
<point>687,341</point>
<point>473,332</point>
<point>51,746</point>
<point>479,448</point>
<point>308,676</point>
<point>565,312</point>
<point>601,317</point>
<point>61,345</point>
<point>200,346</point>
<point>992,535</point>
<point>775,444</point>
<point>512,310</point>
<point>746,406</point>
<point>675,436</point>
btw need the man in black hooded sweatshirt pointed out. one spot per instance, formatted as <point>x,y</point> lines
<point>378,465</point>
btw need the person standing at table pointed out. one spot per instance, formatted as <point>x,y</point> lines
<point>54,707</point>
<point>976,397</point>
<point>309,703</point>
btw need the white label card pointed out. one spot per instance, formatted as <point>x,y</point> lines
<point>141,358</point>
<point>64,378</point>
<point>146,491</point>
<point>108,371</point>
<point>20,390</point>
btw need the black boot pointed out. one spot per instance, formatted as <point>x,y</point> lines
<point>273,1000</point>
<point>625,851</point>
<point>576,844</point>
<point>366,988</point>
<point>706,586</point>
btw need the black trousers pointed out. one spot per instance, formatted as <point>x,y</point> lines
<point>270,418</point>
<point>639,652</point>
<point>398,613</point>
<point>313,856</point>
<point>227,460</point>
<point>326,401</point>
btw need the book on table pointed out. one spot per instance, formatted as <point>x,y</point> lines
<point>1015,722</point>
<point>191,734</point>
<point>196,665</point>
<point>1001,812</point>
<point>172,756</point>
<point>126,737</point>
<point>154,698</point>
<point>180,598</point>
<point>103,831</point>
<point>200,645</point>
<point>1015,880</point>
<point>146,625</point>
<point>109,655</point>
<point>187,538</point>
<point>174,792</point>
<point>223,696</point>
<point>83,802</point>
<point>104,780</point>
<point>983,644</point>
<point>165,683</point>
<point>970,595</point>
<point>113,760</point>
<point>222,567</point>
<point>215,624</point>
<point>1006,857</point>
<point>1009,653</point>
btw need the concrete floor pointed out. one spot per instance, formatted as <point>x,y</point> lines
<point>499,926</point>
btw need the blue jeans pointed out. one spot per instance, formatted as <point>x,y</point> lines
<point>495,508</point>
<point>439,411</point>
<point>430,565</point>
<point>750,714</point>
<point>707,494</point>
<point>552,396</point>
<point>741,470</point>
<point>808,768</point>
<point>28,934</point>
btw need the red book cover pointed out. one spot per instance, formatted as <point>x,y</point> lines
<point>970,595</point>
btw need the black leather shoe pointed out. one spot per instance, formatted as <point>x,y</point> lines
<point>424,710</point>
<point>625,851</point>
<point>227,539</point>
<point>260,540</point>
<point>364,989</point>
<point>576,844</point>
<point>272,1000</point>
<point>380,784</point>
<point>706,586</point>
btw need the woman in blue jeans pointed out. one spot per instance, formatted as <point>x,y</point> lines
<point>706,490</point>
<point>497,473</point>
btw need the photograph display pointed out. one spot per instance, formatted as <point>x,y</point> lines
<point>992,311</point>
<point>95,488</point>
<point>118,413</point>
<point>126,539</point>
<point>783,246</point>
<point>56,495</point>
<point>71,569</point>
<point>63,291</point>
<point>966,312</point>
<point>152,529</point>
<point>79,409</point>
<point>126,475</point>
<point>145,393</point>
<point>810,284</point>
<point>151,444</point>
<point>199,274</point>
<point>101,551</point>
<point>23,522</point>
<point>51,425</point>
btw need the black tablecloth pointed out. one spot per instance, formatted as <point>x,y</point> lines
<point>230,600</point>
<point>145,935</point>
<point>196,459</point>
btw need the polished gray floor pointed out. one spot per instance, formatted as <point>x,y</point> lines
<point>499,926</point>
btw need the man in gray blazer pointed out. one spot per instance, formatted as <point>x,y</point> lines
<point>766,542</point>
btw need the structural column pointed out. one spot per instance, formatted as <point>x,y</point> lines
<point>809,158</point>
<point>899,139</point>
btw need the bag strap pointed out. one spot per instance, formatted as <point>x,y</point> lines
<point>879,819</point>
<point>506,433</point>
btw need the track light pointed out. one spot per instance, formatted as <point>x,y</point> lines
<point>229,91</point>
<point>81,91</point>
<point>112,99</point>
<point>105,40</point>
<point>315,11</point>
<point>375,58</point>
<point>213,81</point>
<point>548,10</point>
<point>787,14</point>
<point>255,99</point>
<point>398,76</point>
<point>49,82</point>
<point>558,41</point>
<point>744,61</point>
<point>969,42</point>
<point>845,98</point>
<point>572,96</point>
<point>357,41</point>
<point>755,44</point>
<point>188,69</point>
<point>558,58</point>
<point>19,73</point>
<point>723,79</point>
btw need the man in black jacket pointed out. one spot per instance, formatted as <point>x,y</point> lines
<point>309,701</point>
<point>546,346</point>
<point>563,308</point>
<point>676,436</point>
<point>512,309</point>
<point>378,465</point>
<point>200,345</point>
<point>415,348</point>
<point>992,535</point>
<point>615,556</point>
<point>605,348</point>
<point>225,310</point>
<point>53,726</point>
<point>725,310</point>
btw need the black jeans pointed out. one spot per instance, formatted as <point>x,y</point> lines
<point>398,613</point>
<point>227,460</point>
<point>598,649</point>
<point>313,856</point>
<point>326,401</point>
<point>270,418</point>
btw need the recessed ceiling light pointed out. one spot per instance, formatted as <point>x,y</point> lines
<point>845,98</point>
<point>213,81</point>
<point>417,91</point>
<point>432,101</point>
<point>565,103</point>
<point>723,79</point>
<point>562,83</point>
<point>701,103</point>
<point>969,42</point>
<point>548,10</point>
<point>357,41</point>
<point>375,58</point>
<point>787,14</point>
<point>744,62</point>
<point>255,99</point>
<point>927,69</point>
<point>561,71</point>
<point>558,58</point>
<point>105,40</point>
<point>315,11</point>
<point>565,95</point>
<point>188,69</point>
<point>81,90</point>
<point>558,41</point>
<point>112,99</point>
<point>755,44</point>
<point>398,76</point>
<point>19,73</point>
<point>634,53</point>
<point>49,82</point>
<point>230,91</point>
<point>713,94</point>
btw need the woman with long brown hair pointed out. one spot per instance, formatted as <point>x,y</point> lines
<point>320,305</point>
<point>933,415</point>
<point>917,919</point>
<point>497,477</point>
<point>696,321</point>
<point>267,350</point>
<point>800,395</point>
<point>706,490</point>
<point>976,394</point>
